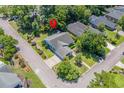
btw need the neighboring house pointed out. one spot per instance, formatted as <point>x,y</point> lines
<point>76,28</point>
<point>96,21</point>
<point>114,15</point>
<point>119,8</point>
<point>8,79</point>
<point>59,43</point>
<point>4,67</point>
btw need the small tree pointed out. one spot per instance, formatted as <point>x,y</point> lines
<point>78,60</point>
<point>121,22</point>
<point>118,28</point>
<point>101,27</point>
<point>67,72</point>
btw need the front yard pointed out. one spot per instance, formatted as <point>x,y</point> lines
<point>39,41</point>
<point>111,37</point>
<point>87,63</point>
<point>35,81</point>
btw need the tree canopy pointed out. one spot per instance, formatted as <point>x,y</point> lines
<point>92,43</point>
<point>107,80</point>
<point>8,44</point>
<point>67,72</point>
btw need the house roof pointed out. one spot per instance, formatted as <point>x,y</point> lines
<point>76,28</point>
<point>4,67</point>
<point>119,8</point>
<point>9,80</point>
<point>60,42</point>
<point>115,14</point>
<point>102,19</point>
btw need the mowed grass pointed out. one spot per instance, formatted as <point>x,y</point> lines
<point>88,60</point>
<point>36,82</point>
<point>112,35</point>
<point>4,61</point>
<point>107,50</point>
<point>82,69</point>
<point>40,42</point>
<point>115,80</point>
<point>122,60</point>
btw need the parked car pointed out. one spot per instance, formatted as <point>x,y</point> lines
<point>123,53</point>
<point>100,60</point>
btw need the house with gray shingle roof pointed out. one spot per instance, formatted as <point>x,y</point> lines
<point>119,8</point>
<point>77,28</point>
<point>59,43</point>
<point>96,21</point>
<point>4,67</point>
<point>114,15</point>
<point>7,78</point>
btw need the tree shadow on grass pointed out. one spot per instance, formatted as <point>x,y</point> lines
<point>67,81</point>
<point>90,56</point>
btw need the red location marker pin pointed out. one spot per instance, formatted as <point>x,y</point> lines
<point>53,23</point>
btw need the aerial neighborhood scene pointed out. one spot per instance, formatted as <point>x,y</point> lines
<point>62,46</point>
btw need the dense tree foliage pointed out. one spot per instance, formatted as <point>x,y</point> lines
<point>8,44</point>
<point>121,22</point>
<point>28,18</point>
<point>101,27</point>
<point>67,72</point>
<point>107,80</point>
<point>98,10</point>
<point>92,43</point>
<point>65,15</point>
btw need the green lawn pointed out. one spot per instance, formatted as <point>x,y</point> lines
<point>47,52</point>
<point>111,35</point>
<point>36,83</point>
<point>122,60</point>
<point>39,41</point>
<point>82,69</point>
<point>107,50</point>
<point>3,60</point>
<point>116,68</point>
<point>88,60</point>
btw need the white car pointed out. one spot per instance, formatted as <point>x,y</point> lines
<point>101,60</point>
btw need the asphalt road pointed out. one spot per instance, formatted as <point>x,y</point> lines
<point>48,76</point>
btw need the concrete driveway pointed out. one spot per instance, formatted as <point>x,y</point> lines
<point>52,61</point>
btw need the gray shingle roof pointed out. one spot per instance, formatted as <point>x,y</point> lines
<point>9,80</point>
<point>119,8</point>
<point>102,19</point>
<point>4,68</point>
<point>115,14</point>
<point>60,42</point>
<point>76,28</point>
